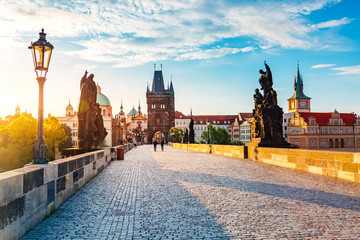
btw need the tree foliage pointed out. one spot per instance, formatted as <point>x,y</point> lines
<point>177,134</point>
<point>217,136</point>
<point>17,140</point>
<point>68,142</point>
<point>54,135</point>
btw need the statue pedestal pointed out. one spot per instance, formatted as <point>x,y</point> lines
<point>260,142</point>
<point>273,143</point>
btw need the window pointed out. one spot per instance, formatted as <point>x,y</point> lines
<point>74,124</point>
<point>297,142</point>
<point>292,105</point>
<point>322,143</point>
<point>313,143</point>
<point>104,112</point>
<point>350,143</point>
<point>74,134</point>
<point>303,105</point>
<point>322,131</point>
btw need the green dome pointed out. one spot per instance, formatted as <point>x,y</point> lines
<point>102,100</point>
<point>69,107</point>
<point>133,112</point>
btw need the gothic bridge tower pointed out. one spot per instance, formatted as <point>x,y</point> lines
<point>160,106</point>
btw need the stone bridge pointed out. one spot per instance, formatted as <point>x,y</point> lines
<point>180,194</point>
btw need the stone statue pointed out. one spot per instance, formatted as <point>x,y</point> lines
<point>91,130</point>
<point>186,136</point>
<point>191,132</point>
<point>100,132</point>
<point>267,114</point>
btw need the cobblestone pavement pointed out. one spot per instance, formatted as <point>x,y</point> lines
<point>177,194</point>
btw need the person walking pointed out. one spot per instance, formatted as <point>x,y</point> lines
<point>155,143</point>
<point>162,145</point>
<point>135,143</point>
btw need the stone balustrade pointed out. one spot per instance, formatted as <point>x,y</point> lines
<point>29,194</point>
<point>343,165</point>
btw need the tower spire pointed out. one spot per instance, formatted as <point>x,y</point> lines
<point>139,108</point>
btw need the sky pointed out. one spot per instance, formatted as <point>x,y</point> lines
<point>211,49</point>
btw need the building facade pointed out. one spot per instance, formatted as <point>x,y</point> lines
<point>200,122</point>
<point>245,131</point>
<point>137,124</point>
<point>316,130</point>
<point>161,107</point>
<point>234,128</point>
<point>325,130</point>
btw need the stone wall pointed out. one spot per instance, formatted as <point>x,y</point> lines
<point>29,194</point>
<point>343,165</point>
<point>224,150</point>
<point>230,151</point>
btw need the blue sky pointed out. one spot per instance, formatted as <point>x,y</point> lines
<point>213,49</point>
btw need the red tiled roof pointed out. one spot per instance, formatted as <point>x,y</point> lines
<point>180,115</point>
<point>203,118</point>
<point>245,116</point>
<point>323,118</point>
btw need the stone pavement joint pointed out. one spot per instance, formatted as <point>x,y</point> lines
<point>178,194</point>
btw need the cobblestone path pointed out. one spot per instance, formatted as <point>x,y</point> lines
<point>177,194</point>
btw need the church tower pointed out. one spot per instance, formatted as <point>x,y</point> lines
<point>69,110</point>
<point>299,102</point>
<point>160,106</point>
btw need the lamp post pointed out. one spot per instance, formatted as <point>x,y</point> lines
<point>41,51</point>
<point>208,131</point>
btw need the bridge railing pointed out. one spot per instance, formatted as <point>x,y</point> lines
<point>29,194</point>
<point>343,165</point>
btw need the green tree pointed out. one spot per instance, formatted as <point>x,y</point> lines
<point>17,140</point>
<point>54,135</point>
<point>68,142</point>
<point>177,134</point>
<point>217,136</point>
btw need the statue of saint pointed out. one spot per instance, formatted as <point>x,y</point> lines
<point>191,132</point>
<point>267,114</point>
<point>90,133</point>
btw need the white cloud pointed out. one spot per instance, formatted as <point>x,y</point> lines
<point>134,32</point>
<point>332,23</point>
<point>323,66</point>
<point>213,53</point>
<point>347,70</point>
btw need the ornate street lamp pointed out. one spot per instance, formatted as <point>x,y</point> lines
<point>41,51</point>
<point>208,131</point>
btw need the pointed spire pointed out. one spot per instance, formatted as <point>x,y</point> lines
<point>298,85</point>
<point>171,89</point>
<point>158,82</point>
<point>147,87</point>
<point>121,108</point>
<point>139,108</point>
<point>190,111</point>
